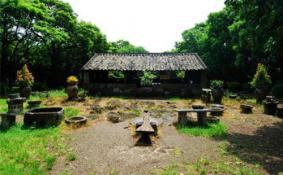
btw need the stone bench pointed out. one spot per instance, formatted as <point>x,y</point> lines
<point>201,115</point>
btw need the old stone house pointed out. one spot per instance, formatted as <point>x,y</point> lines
<point>95,74</point>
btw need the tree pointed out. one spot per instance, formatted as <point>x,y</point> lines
<point>122,46</point>
<point>46,35</point>
<point>233,41</point>
<point>258,34</point>
<point>17,31</point>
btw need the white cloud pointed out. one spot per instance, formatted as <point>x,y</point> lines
<point>153,24</point>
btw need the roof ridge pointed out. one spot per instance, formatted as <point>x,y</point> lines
<point>150,53</point>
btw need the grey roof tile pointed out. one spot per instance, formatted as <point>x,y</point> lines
<point>145,62</point>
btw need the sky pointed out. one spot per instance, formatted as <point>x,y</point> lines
<point>153,24</point>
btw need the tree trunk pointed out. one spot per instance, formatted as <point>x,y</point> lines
<point>4,57</point>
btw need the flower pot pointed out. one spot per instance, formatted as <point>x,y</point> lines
<point>76,122</point>
<point>270,107</point>
<point>217,95</point>
<point>34,104</point>
<point>72,91</point>
<point>25,91</point>
<point>44,117</point>
<point>206,95</point>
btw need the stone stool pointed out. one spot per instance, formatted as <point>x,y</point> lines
<point>219,109</point>
<point>246,109</point>
<point>7,120</point>
<point>280,110</point>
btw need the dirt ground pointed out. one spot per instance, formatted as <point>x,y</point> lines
<point>104,147</point>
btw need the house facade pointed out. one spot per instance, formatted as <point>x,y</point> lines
<point>96,74</point>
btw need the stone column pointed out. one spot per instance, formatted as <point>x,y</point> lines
<point>182,118</point>
<point>202,118</point>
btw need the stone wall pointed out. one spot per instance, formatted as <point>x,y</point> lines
<point>133,90</point>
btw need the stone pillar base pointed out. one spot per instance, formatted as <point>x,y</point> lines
<point>7,120</point>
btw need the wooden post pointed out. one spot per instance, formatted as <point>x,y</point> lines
<point>203,79</point>
<point>86,78</point>
<point>182,118</point>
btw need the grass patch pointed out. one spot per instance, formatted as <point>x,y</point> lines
<point>205,166</point>
<point>57,93</point>
<point>35,97</point>
<point>29,151</point>
<point>212,130</point>
<point>135,112</point>
<point>71,112</point>
<point>3,106</point>
<point>174,98</point>
<point>251,101</point>
<point>169,170</point>
<point>51,93</point>
<point>71,156</point>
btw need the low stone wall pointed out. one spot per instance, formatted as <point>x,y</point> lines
<point>157,90</point>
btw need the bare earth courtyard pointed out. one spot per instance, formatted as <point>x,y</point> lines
<point>253,144</point>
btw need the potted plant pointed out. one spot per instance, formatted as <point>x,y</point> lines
<point>147,78</point>
<point>261,82</point>
<point>25,80</point>
<point>217,90</point>
<point>72,87</point>
<point>146,81</point>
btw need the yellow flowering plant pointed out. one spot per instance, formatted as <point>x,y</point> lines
<point>72,80</point>
<point>24,77</point>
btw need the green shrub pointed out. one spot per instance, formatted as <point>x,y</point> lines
<point>261,78</point>
<point>116,75</point>
<point>24,77</point>
<point>180,74</point>
<point>82,93</point>
<point>147,78</point>
<point>277,90</point>
<point>216,84</point>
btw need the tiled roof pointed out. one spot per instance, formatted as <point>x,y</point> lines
<point>145,62</point>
